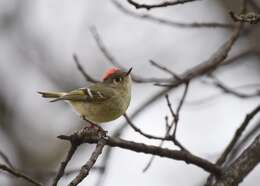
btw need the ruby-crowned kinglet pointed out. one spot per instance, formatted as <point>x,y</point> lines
<point>101,102</point>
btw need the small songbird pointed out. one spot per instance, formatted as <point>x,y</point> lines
<point>100,102</point>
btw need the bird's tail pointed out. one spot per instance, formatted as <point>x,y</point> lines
<point>57,95</point>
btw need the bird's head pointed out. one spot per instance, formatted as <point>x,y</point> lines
<point>115,77</point>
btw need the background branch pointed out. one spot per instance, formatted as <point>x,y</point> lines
<point>217,83</point>
<point>19,175</point>
<point>6,160</point>
<point>83,71</point>
<point>170,23</point>
<point>113,60</point>
<point>242,166</point>
<point>159,5</point>
<point>221,160</point>
<point>237,135</point>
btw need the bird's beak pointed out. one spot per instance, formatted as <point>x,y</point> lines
<point>128,72</point>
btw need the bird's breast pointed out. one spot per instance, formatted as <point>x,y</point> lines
<point>105,111</point>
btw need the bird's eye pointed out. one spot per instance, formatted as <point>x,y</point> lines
<point>117,80</point>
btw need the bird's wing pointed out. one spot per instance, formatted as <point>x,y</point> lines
<point>91,94</point>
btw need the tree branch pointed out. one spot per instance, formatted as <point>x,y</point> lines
<point>217,83</point>
<point>19,175</point>
<point>244,54</point>
<point>84,171</point>
<point>159,5</point>
<point>87,77</point>
<point>73,147</point>
<point>113,61</point>
<point>237,135</point>
<point>170,23</point>
<point>242,166</point>
<point>176,118</point>
<point>6,159</point>
<point>211,64</point>
<point>248,137</point>
<point>221,160</point>
<point>136,129</point>
<point>165,69</point>
<point>148,149</point>
<point>169,127</point>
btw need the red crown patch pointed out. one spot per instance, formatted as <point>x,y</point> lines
<point>109,72</point>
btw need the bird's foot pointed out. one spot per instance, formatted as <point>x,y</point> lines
<point>94,127</point>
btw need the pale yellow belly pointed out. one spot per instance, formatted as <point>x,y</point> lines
<point>102,112</point>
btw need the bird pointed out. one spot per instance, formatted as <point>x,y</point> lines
<point>101,102</point>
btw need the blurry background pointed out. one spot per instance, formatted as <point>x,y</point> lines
<point>37,40</point>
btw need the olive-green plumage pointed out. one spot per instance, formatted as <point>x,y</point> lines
<point>101,102</point>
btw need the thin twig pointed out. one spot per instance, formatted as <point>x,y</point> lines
<point>73,171</point>
<point>170,23</point>
<point>19,175</point>
<point>237,135</point>
<point>246,138</point>
<point>209,65</point>
<point>149,163</point>
<point>165,69</point>
<point>217,95</point>
<point>241,55</point>
<point>167,125</point>
<point>113,61</point>
<point>6,159</point>
<point>159,5</point>
<point>182,99</point>
<point>228,90</point>
<point>221,160</point>
<point>168,129</point>
<point>105,161</point>
<point>82,70</point>
<point>170,106</point>
<point>140,131</point>
<point>242,166</point>
<point>84,171</point>
<point>72,150</point>
<point>103,49</point>
<point>176,118</point>
<point>51,173</point>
